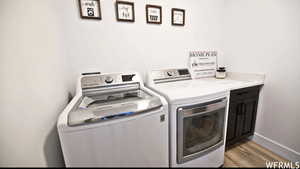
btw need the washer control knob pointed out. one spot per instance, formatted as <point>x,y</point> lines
<point>170,73</point>
<point>109,79</point>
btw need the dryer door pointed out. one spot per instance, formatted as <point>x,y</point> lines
<point>200,129</point>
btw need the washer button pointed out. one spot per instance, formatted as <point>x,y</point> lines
<point>109,79</point>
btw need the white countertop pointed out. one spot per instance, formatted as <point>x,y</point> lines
<point>176,91</point>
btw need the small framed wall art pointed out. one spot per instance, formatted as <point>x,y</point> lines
<point>90,9</point>
<point>153,14</point>
<point>178,17</point>
<point>125,11</point>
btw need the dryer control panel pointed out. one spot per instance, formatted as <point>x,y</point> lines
<point>169,75</point>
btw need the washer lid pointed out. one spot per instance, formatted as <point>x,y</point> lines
<point>110,106</point>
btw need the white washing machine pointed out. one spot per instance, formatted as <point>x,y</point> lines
<point>197,116</point>
<point>114,121</point>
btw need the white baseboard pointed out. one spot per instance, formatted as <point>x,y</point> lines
<point>277,148</point>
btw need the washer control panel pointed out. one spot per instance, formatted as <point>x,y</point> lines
<point>98,80</point>
<point>168,75</point>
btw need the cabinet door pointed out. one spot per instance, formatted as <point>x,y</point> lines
<point>232,121</point>
<point>249,115</point>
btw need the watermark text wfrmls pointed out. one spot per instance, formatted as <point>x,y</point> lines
<point>281,164</point>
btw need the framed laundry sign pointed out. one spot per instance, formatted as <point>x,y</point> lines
<point>178,17</point>
<point>90,9</point>
<point>203,63</point>
<point>125,11</point>
<point>153,14</point>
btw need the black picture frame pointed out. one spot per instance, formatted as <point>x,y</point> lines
<point>147,14</point>
<point>90,11</point>
<point>118,12</point>
<point>173,16</point>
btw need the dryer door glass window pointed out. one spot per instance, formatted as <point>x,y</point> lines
<point>200,130</point>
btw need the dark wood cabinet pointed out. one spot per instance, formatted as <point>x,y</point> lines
<point>242,114</point>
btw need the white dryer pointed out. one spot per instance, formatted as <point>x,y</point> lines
<point>114,121</point>
<point>197,117</point>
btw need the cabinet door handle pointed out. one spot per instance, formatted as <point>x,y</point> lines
<point>239,109</point>
<point>244,108</point>
<point>242,93</point>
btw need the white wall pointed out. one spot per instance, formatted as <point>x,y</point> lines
<point>44,45</point>
<point>264,37</point>
<point>33,88</point>
<point>111,46</point>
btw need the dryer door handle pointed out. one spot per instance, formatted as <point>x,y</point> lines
<point>204,109</point>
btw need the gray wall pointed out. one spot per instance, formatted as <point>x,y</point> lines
<point>264,37</point>
<point>44,45</point>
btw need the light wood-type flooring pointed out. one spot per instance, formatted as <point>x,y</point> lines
<point>249,154</point>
